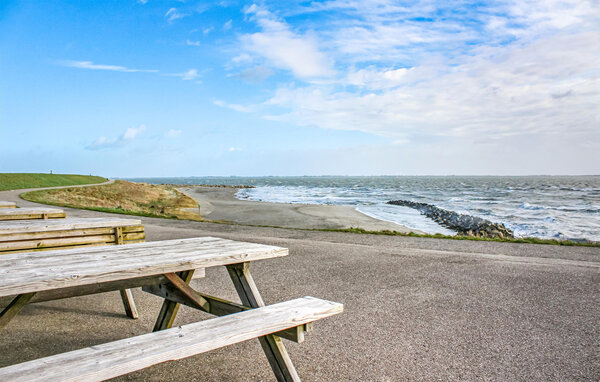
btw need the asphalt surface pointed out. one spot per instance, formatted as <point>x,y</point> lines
<point>415,309</point>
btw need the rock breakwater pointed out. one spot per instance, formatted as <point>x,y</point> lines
<point>465,225</point>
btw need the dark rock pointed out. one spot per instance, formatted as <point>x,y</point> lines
<point>465,225</point>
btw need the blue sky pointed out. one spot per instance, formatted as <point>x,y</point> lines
<point>183,88</point>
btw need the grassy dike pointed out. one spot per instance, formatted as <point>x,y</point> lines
<point>122,197</point>
<point>16,181</point>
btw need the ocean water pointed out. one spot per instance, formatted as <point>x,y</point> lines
<point>555,207</point>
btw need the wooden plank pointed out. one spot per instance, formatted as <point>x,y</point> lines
<point>169,309</point>
<point>56,234</point>
<point>110,360</point>
<point>132,228</point>
<point>14,308</point>
<point>25,216</point>
<point>54,269</point>
<point>4,204</point>
<point>59,242</point>
<point>23,226</point>
<point>57,294</point>
<point>277,355</point>
<point>218,307</point>
<point>133,236</point>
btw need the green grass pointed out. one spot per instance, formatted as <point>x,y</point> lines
<point>526,240</point>
<point>16,181</point>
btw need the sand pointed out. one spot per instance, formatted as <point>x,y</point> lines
<point>220,203</point>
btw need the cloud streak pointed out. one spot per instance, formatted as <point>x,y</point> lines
<point>124,139</point>
<point>114,68</point>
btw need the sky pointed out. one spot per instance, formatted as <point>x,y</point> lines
<point>342,87</point>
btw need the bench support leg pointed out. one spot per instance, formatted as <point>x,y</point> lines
<point>272,345</point>
<point>129,303</point>
<point>169,309</point>
<point>14,308</point>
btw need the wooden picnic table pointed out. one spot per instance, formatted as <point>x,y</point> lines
<point>31,213</point>
<point>163,268</point>
<point>40,234</point>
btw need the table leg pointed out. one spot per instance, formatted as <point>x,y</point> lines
<point>129,303</point>
<point>169,309</point>
<point>14,308</point>
<point>272,345</point>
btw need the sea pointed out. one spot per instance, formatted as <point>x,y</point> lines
<point>549,207</point>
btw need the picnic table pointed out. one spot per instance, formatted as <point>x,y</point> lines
<point>39,235</point>
<point>163,268</point>
<point>30,213</point>
<point>5,204</point>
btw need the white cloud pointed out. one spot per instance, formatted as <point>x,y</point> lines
<point>285,49</point>
<point>192,43</point>
<point>190,75</point>
<point>227,25</point>
<point>206,31</point>
<point>127,137</point>
<point>232,106</point>
<point>142,1</point>
<point>172,133</point>
<point>173,14</point>
<point>92,66</point>
<point>550,86</point>
<point>255,74</point>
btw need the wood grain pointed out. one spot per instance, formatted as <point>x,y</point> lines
<point>125,356</point>
<point>24,226</point>
<point>54,269</point>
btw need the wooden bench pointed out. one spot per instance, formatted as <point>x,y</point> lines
<point>31,213</point>
<point>113,359</point>
<point>35,235</point>
<point>38,235</point>
<point>165,269</point>
<point>4,204</point>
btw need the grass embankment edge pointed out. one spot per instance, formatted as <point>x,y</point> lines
<point>18,181</point>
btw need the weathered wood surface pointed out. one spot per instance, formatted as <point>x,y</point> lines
<point>55,269</point>
<point>31,213</point>
<point>125,356</point>
<point>69,224</point>
<point>216,306</point>
<point>4,204</point>
<point>23,236</point>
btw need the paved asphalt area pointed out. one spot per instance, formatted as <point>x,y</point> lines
<point>415,309</point>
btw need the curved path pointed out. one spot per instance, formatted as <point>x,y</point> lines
<point>415,309</point>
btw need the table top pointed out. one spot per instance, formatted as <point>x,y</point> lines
<point>55,269</point>
<point>25,226</point>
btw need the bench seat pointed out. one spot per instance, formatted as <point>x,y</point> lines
<point>4,204</point>
<point>112,359</point>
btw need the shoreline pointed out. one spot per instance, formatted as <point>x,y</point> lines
<point>220,203</point>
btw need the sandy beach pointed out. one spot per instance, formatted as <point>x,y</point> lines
<point>414,308</point>
<point>220,203</point>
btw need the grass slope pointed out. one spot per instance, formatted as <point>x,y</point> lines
<point>122,197</point>
<point>16,181</point>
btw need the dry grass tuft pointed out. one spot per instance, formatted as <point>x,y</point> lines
<point>125,197</point>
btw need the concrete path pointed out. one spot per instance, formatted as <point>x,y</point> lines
<point>415,309</point>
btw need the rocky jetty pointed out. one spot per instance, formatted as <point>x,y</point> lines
<point>465,225</point>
